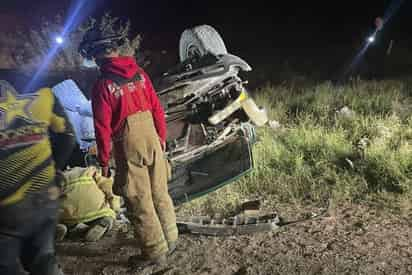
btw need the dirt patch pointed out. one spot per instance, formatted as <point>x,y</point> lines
<point>352,239</point>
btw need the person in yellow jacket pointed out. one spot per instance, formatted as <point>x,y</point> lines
<point>36,140</point>
<point>87,199</point>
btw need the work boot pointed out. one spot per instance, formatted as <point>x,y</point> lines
<point>138,262</point>
<point>61,232</point>
<point>172,248</point>
<point>97,230</point>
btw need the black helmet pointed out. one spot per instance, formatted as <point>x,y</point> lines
<point>98,39</point>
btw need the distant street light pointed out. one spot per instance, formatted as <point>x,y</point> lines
<point>371,39</point>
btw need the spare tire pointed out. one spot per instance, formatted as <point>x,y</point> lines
<point>199,41</point>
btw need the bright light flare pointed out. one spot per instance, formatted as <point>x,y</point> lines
<point>59,40</point>
<point>76,15</point>
<point>379,24</point>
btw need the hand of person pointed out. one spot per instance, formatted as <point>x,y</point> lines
<point>106,171</point>
<point>60,179</point>
<point>114,203</point>
<point>163,145</point>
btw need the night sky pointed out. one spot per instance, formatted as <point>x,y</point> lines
<point>245,25</point>
<point>333,20</point>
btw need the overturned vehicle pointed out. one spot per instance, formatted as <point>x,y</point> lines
<point>211,119</point>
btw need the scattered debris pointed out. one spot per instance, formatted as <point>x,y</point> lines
<point>249,220</point>
<point>275,125</point>
<point>251,208</point>
<point>350,163</point>
<point>237,225</point>
<point>363,143</point>
<point>345,112</point>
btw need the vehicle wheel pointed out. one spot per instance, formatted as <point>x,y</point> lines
<point>200,40</point>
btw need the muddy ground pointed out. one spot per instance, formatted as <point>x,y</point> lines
<point>351,239</point>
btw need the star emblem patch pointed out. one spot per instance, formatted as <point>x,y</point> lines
<point>13,106</point>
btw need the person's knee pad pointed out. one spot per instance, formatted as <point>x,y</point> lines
<point>45,265</point>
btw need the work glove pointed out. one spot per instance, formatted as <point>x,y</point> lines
<point>115,204</point>
<point>163,145</point>
<point>106,171</point>
<point>61,180</point>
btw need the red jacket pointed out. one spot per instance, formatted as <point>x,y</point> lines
<point>112,104</point>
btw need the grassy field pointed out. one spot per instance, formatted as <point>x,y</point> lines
<point>338,143</point>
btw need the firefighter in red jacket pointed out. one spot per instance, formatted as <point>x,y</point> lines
<point>129,120</point>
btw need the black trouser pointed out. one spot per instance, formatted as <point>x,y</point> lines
<point>27,236</point>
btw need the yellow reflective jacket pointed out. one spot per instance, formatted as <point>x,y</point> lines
<point>87,196</point>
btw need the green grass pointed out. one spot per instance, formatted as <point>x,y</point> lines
<point>365,157</point>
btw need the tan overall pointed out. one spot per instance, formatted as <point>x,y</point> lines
<point>141,175</point>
